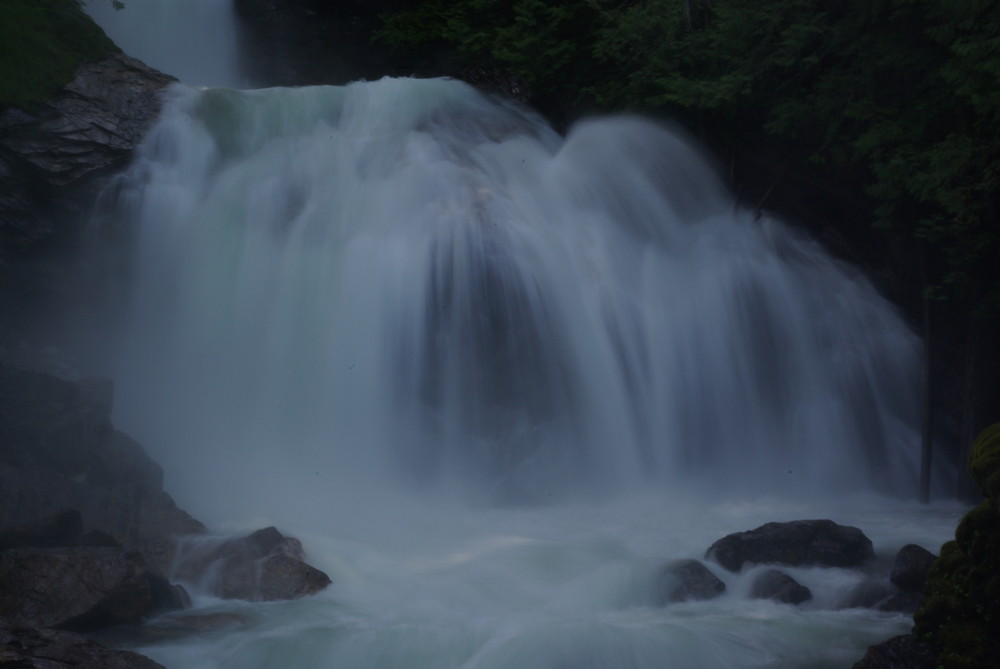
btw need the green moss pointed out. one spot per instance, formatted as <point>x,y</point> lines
<point>984,461</point>
<point>42,42</point>
<point>960,614</point>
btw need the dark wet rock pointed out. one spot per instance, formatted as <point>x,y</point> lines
<point>284,577</point>
<point>780,587</point>
<point>901,602</point>
<point>23,648</point>
<point>93,124</point>
<point>901,652</point>
<point>59,450</point>
<point>868,594</point>
<point>262,566</point>
<point>48,159</point>
<point>881,595</point>
<point>685,580</point>
<point>802,542</point>
<point>60,529</point>
<point>82,588</point>
<point>910,569</point>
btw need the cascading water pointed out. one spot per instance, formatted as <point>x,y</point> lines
<point>406,276</point>
<point>193,40</point>
<point>494,377</point>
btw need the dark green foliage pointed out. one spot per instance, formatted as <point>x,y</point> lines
<point>960,614</point>
<point>41,44</point>
<point>984,462</point>
<point>900,98</point>
<point>546,45</point>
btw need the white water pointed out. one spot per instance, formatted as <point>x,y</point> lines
<point>403,282</point>
<point>424,586</point>
<point>494,377</point>
<point>193,40</point>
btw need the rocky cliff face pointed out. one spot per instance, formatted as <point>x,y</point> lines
<point>49,160</point>
<point>58,450</point>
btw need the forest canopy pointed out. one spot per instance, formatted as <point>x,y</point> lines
<point>903,95</point>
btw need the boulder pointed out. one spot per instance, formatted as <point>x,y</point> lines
<point>911,566</point>
<point>780,587</point>
<point>901,652</point>
<point>59,450</point>
<point>24,648</point>
<point>685,580</point>
<point>821,543</point>
<point>262,566</point>
<point>60,529</point>
<point>81,588</point>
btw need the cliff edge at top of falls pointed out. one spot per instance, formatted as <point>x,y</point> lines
<point>51,151</point>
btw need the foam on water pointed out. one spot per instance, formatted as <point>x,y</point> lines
<point>494,377</point>
<point>425,585</point>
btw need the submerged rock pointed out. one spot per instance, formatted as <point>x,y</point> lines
<point>262,566</point>
<point>685,580</point>
<point>822,543</point>
<point>24,648</point>
<point>780,587</point>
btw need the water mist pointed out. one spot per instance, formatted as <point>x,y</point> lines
<point>494,377</point>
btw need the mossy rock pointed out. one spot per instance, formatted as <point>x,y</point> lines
<point>960,614</point>
<point>42,42</point>
<point>984,461</point>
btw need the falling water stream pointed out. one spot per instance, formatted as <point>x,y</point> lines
<point>494,377</point>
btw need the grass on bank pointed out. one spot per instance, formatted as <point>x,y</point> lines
<point>42,42</point>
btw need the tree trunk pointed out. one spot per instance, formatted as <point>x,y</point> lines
<point>926,405</point>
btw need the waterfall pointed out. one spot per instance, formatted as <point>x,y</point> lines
<point>194,40</point>
<point>405,283</point>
